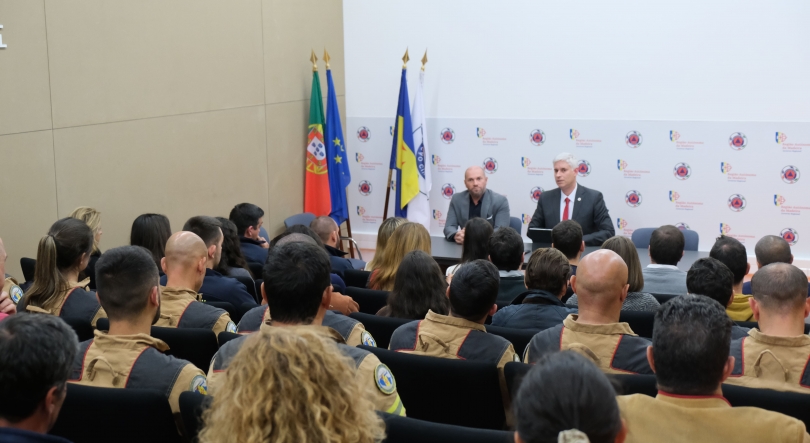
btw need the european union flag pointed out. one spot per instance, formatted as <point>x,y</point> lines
<point>336,156</point>
<point>403,156</point>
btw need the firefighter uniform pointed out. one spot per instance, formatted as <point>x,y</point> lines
<point>182,308</point>
<point>352,331</point>
<point>76,303</point>
<point>12,288</point>
<point>770,362</point>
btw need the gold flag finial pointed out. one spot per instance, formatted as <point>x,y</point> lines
<point>405,59</point>
<point>424,60</point>
<point>314,60</point>
<point>326,57</point>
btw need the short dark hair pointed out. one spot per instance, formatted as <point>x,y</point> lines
<point>691,339</point>
<point>124,278</point>
<point>245,215</point>
<point>666,245</point>
<point>567,237</point>
<point>548,270</point>
<point>209,229</point>
<point>780,286</point>
<point>151,231</point>
<point>477,233</point>
<point>323,226</point>
<point>474,289</point>
<point>295,276</point>
<point>710,277</point>
<point>232,256</point>
<point>36,354</point>
<point>772,249</point>
<point>506,249</point>
<point>584,399</point>
<point>419,286</point>
<point>732,253</point>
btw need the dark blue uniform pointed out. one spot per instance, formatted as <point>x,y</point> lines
<point>217,287</point>
<point>252,250</point>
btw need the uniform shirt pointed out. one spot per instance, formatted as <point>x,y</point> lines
<point>12,288</point>
<point>533,309</point>
<point>181,308</point>
<point>613,347</point>
<point>704,419</point>
<point>740,310</point>
<point>337,260</point>
<point>767,361</point>
<point>217,287</point>
<point>12,435</point>
<point>252,250</point>
<point>352,331</point>
<point>135,362</point>
<point>368,369</point>
<point>75,302</point>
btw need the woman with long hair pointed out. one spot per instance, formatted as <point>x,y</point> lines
<point>419,287</point>
<point>61,257</point>
<point>151,231</point>
<point>290,385</point>
<point>233,262</point>
<point>406,238</point>
<point>387,228</point>
<point>93,219</point>
<point>477,232</point>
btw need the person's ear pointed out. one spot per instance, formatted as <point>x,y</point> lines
<point>624,291</point>
<point>53,402</point>
<point>759,265</point>
<point>650,358</point>
<point>517,438</point>
<point>447,292</point>
<point>754,308</point>
<point>493,310</point>
<point>574,283</point>
<point>622,435</point>
<point>791,259</point>
<point>728,369</point>
<point>582,247</point>
<point>154,296</point>
<point>201,265</point>
<point>747,267</point>
<point>522,259</point>
<point>212,251</point>
<point>163,264</point>
<point>326,298</point>
<point>806,308</point>
<point>489,258</point>
<point>264,295</point>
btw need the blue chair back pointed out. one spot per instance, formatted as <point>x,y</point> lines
<point>641,238</point>
<point>515,224</point>
<point>299,219</point>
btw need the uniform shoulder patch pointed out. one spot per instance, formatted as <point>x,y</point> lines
<point>367,339</point>
<point>15,293</point>
<point>516,357</point>
<point>231,327</point>
<point>385,379</point>
<point>199,384</point>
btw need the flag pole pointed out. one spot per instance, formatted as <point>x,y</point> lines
<point>405,59</point>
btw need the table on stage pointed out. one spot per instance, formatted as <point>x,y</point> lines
<point>449,253</point>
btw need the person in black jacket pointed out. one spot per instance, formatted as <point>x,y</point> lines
<point>329,233</point>
<point>248,220</point>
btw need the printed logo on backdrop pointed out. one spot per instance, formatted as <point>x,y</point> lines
<point>781,140</point>
<point>633,139</point>
<point>735,177</point>
<point>686,145</point>
<point>488,141</point>
<point>738,141</point>
<point>674,197</point>
<point>448,190</point>
<point>636,174</point>
<point>364,165</point>
<point>780,200</point>
<point>535,193</point>
<point>437,215</point>
<point>682,171</point>
<point>391,130</point>
<point>364,187</point>
<point>490,165</point>
<point>632,198</point>
<point>441,166</point>
<point>584,168</point>
<point>480,132</point>
<point>725,167</point>
<point>526,218</point>
<point>682,226</point>
<point>790,235</point>
<point>582,142</point>
<point>363,134</point>
<point>532,170</point>
<point>448,136</point>
<point>736,202</point>
<point>370,219</point>
<point>790,174</point>
<point>725,229</point>
<point>537,137</point>
<point>621,225</point>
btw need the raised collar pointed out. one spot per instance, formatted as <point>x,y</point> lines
<point>693,401</point>
<point>137,341</point>
<point>538,297</point>
<point>212,273</point>
<point>791,342</point>
<point>335,252</point>
<point>571,323</point>
<point>454,321</point>
<point>250,241</point>
<point>177,293</point>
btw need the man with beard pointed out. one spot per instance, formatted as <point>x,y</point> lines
<point>476,201</point>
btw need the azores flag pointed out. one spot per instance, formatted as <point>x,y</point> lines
<point>316,183</point>
<point>419,207</point>
<point>336,156</point>
<point>403,154</point>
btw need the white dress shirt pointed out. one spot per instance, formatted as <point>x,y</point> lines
<point>570,203</point>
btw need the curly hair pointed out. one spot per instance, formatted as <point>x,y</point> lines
<point>289,384</point>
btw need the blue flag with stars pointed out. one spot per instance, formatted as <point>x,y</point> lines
<point>336,156</point>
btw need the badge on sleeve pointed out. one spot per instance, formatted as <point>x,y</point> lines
<point>231,327</point>
<point>367,339</point>
<point>516,358</point>
<point>199,384</point>
<point>385,379</point>
<point>15,293</point>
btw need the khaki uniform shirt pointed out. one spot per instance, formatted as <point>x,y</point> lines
<point>766,361</point>
<point>86,301</point>
<point>356,335</point>
<point>110,361</point>
<point>704,419</point>
<point>13,290</point>
<point>174,311</point>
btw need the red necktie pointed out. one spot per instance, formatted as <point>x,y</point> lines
<point>565,211</point>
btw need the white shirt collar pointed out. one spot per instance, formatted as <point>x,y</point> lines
<point>657,266</point>
<point>573,192</point>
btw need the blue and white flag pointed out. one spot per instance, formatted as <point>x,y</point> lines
<point>419,207</point>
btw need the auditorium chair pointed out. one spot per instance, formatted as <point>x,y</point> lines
<point>225,336</point>
<point>356,278</point>
<point>299,219</point>
<point>105,415</point>
<point>255,268</point>
<point>28,266</point>
<point>381,328</point>
<point>370,300</point>
<point>520,338</point>
<point>641,238</point>
<point>192,405</point>
<point>408,430</point>
<point>250,286</point>
<point>641,322</point>
<point>234,313</point>
<point>515,224</point>
<point>453,392</point>
<point>83,328</point>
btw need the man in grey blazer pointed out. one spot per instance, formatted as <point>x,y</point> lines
<point>572,201</point>
<point>476,201</point>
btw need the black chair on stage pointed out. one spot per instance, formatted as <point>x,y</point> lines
<point>356,278</point>
<point>381,328</point>
<point>29,266</point>
<point>407,430</point>
<point>370,301</point>
<point>234,313</point>
<point>83,328</point>
<point>663,298</point>
<point>192,405</point>
<point>225,336</point>
<point>103,415</point>
<point>454,392</point>
<point>520,338</point>
<point>640,322</point>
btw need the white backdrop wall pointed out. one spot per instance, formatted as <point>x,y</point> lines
<point>685,76</point>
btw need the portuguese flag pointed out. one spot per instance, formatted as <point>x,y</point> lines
<point>316,186</point>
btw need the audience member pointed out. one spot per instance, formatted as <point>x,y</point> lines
<point>567,237</point>
<point>232,263</point>
<point>506,252</point>
<point>636,300</point>
<point>775,355</point>
<point>387,228</point>
<point>297,290</point>
<point>419,287</point>
<point>577,407</point>
<point>11,292</point>
<point>151,231</point>
<point>601,286</point>
<point>690,357</point>
<point>540,306</point>
<point>305,395</point>
<point>711,278</point>
<point>732,253</point>
<point>36,354</point>
<point>215,286</point>
<point>248,220</point>
<point>771,249</point>
<point>180,306</point>
<point>61,256</point>
<point>406,238</point>
<point>329,233</point>
<point>662,275</point>
<point>476,243</point>
<point>93,219</point>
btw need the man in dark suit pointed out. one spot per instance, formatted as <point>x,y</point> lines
<point>573,202</point>
<point>476,201</point>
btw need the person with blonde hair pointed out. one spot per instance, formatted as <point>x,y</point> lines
<point>387,228</point>
<point>406,238</point>
<point>305,395</point>
<point>92,218</point>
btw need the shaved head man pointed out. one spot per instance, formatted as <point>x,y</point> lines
<point>185,261</point>
<point>476,201</point>
<point>329,233</point>
<point>770,249</point>
<point>601,286</point>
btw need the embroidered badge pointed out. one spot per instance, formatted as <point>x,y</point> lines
<point>231,327</point>
<point>385,379</point>
<point>367,339</point>
<point>16,294</point>
<point>199,384</point>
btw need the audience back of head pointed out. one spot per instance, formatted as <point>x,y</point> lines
<point>710,277</point>
<point>151,231</point>
<point>731,253</point>
<point>126,277</point>
<point>548,270</point>
<point>780,288</point>
<point>473,290</point>
<point>296,277</point>
<point>232,256</point>
<point>567,237</point>
<point>301,229</point>
<point>92,218</point>
<point>477,233</point>
<point>244,216</point>
<point>209,229</point>
<point>419,286</point>
<point>772,249</point>
<point>505,249</point>
<point>627,251</point>
<point>387,228</point>
<point>666,245</point>
<point>601,283</point>
<point>324,226</point>
<point>406,238</point>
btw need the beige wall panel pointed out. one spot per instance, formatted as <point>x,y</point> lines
<point>127,59</point>
<point>286,144</point>
<point>28,193</point>
<point>25,103</point>
<point>181,166</point>
<point>292,29</point>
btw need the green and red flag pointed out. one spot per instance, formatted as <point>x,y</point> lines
<point>316,186</point>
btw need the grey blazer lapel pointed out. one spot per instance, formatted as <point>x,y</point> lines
<point>581,200</point>
<point>463,209</point>
<point>486,202</point>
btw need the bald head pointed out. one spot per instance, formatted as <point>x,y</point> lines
<point>772,249</point>
<point>601,280</point>
<point>780,287</point>
<point>325,227</point>
<point>184,250</point>
<point>476,181</point>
